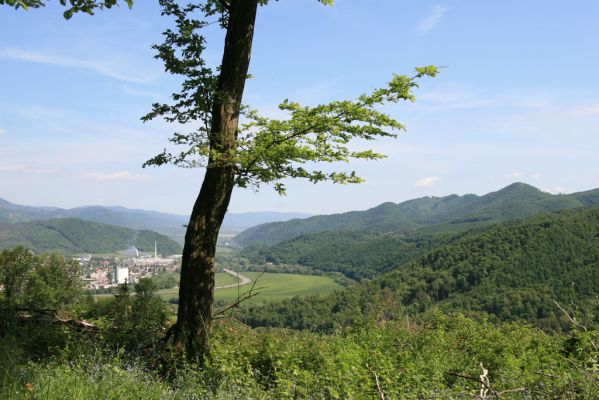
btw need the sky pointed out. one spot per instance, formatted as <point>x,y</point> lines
<point>517,99</point>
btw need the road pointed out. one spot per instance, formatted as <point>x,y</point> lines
<point>243,280</point>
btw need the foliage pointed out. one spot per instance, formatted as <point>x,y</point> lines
<point>44,282</point>
<point>265,150</point>
<point>411,362</point>
<point>131,321</point>
<point>37,289</point>
<point>165,281</point>
<point>86,6</point>
<point>356,254</point>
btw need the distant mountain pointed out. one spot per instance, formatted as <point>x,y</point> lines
<point>249,219</point>
<point>450,213</point>
<point>172,225</point>
<point>71,236</point>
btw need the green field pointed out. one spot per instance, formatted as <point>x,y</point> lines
<point>271,286</point>
<point>281,286</point>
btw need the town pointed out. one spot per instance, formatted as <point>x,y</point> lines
<point>128,266</point>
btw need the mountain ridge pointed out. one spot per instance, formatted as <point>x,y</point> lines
<point>511,271</point>
<point>172,225</point>
<point>515,201</point>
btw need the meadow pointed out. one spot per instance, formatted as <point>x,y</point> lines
<point>270,286</point>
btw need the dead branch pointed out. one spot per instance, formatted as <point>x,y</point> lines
<point>584,328</point>
<point>486,392</point>
<point>577,324</point>
<point>484,380</point>
<point>75,324</point>
<point>78,325</point>
<point>522,389</point>
<point>241,298</point>
<point>378,384</point>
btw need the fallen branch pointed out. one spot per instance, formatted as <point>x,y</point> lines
<point>79,325</point>
<point>75,324</point>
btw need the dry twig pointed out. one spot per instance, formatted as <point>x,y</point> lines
<point>378,384</point>
<point>240,298</point>
<point>577,324</point>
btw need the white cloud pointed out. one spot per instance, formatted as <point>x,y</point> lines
<point>137,92</point>
<point>99,67</point>
<point>22,168</point>
<point>586,110</point>
<point>428,181</point>
<point>516,174</point>
<point>554,190</point>
<point>2,131</point>
<point>429,22</point>
<point>536,176</point>
<point>118,176</point>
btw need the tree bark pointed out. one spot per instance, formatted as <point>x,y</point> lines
<point>196,290</point>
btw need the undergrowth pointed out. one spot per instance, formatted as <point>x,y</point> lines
<point>433,359</point>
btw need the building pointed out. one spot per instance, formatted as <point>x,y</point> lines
<point>121,275</point>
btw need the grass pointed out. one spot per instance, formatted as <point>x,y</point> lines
<point>281,286</point>
<point>221,278</point>
<point>272,287</point>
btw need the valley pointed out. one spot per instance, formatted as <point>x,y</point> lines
<point>516,256</point>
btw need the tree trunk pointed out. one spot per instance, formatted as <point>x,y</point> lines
<point>196,290</point>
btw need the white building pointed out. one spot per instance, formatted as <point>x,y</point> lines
<point>122,275</point>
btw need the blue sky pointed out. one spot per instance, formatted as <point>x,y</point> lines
<point>517,99</point>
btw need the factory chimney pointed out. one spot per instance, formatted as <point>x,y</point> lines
<point>155,249</point>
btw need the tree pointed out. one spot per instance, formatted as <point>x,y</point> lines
<point>149,311</point>
<point>258,151</point>
<point>44,282</point>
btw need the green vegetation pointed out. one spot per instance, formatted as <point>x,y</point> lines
<point>272,286</point>
<point>37,283</point>
<point>405,327</point>
<point>280,286</point>
<point>508,272</point>
<point>429,214</point>
<point>356,254</point>
<point>410,362</point>
<point>170,291</point>
<point>72,236</point>
<point>366,332</point>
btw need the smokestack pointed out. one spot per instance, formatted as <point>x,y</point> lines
<point>155,249</point>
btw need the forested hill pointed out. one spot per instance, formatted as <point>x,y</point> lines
<point>355,254</point>
<point>172,225</point>
<point>457,213</point>
<point>71,236</point>
<point>511,271</point>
